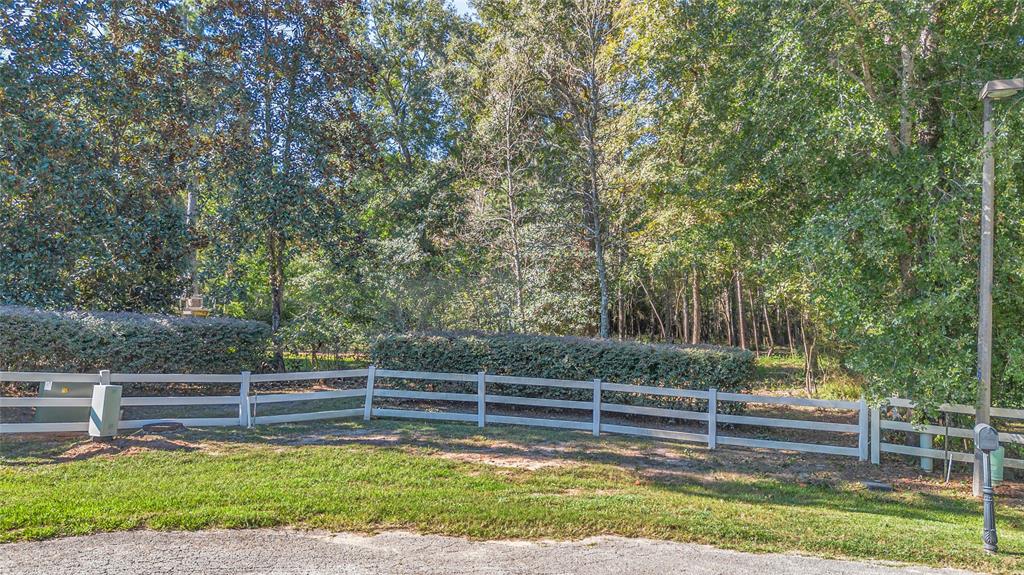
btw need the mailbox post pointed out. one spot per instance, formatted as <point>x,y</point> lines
<point>986,439</point>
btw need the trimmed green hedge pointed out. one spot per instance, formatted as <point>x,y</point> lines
<point>691,367</point>
<point>76,341</point>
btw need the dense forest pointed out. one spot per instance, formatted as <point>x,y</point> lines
<point>784,176</point>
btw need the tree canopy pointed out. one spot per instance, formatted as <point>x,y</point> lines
<point>783,176</point>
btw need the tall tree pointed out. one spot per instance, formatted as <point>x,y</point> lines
<point>416,48</point>
<point>107,113</point>
<point>578,64</point>
<point>299,139</point>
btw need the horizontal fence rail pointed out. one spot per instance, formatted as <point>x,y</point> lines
<point>886,418</point>
<point>472,407</point>
<point>255,400</point>
<point>702,409</point>
<point>860,429</point>
<point>52,378</point>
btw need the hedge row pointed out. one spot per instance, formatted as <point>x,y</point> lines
<point>691,367</point>
<point>75,341</point>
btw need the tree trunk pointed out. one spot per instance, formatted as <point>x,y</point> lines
<point>275,250</point>
<point>685,335</point>
<point>621,315</point>
<point>768,329</point>
<point>753,323</point>
<point>810,355</point>
<point>593,200</point>
<point>695,302</point>
<point>513,222</point>
<point>789,334</point>
<point>654,308</point>
<point>727,302</point>
<point>739,311</point>
<point>602,284</point>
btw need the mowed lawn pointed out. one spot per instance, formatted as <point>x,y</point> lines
<point>458,480</point>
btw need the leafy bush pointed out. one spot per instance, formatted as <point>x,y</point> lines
<point>692,367</point>
<point>77,341</point>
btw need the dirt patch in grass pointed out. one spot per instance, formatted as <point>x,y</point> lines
<point>124,446</point>
<point>527,463</point>
<point>473,449</point>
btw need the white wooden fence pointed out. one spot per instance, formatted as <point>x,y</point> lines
<point>869,430</point>
<point>249,405</point>
<point>883,418</point>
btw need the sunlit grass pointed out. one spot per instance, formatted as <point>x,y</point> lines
<point>248,479</point>
<point>786,373</point>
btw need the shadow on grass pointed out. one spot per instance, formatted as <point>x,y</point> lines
<point>930,507</point>
<point>53,452</point>
<point>34,449</point>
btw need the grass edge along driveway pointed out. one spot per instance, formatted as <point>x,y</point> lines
<point>235,481</point>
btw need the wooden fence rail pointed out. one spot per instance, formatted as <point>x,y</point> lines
<point>884,418</point>
<point>472,407</point>
<point>249,404</point>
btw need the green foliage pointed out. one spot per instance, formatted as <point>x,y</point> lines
<point>98,145</point>
<point>839,148</point>
<point>840,388</point>
<point>33,339</point>
<point>309,362</point>
<point>698,367</point>
<point>284,178</point>
<point>798,172</point>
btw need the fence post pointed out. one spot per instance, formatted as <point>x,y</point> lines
<point>863,433</point>
<point>876,435</point>
<point>712,418</point>
<point>243,401</point>
<point>597,408</point>
<point>481,403</point>
<point>371,374</point>
<point>105,411</point>
<point>925,442</point>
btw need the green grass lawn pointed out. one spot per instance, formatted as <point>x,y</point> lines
<point>294,475</point>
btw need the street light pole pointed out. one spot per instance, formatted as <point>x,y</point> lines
<point>993,90</point>
<point>984,406</point>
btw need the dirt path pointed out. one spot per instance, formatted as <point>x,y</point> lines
<point>281,551</point>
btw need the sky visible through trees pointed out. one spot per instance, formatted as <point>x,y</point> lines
<point>780,175</point>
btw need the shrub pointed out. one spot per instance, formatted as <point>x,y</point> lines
<point>693,367</point>
<point>78,341</point>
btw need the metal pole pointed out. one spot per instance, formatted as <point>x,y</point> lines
<point>982,414</point>
<point>989,539</point>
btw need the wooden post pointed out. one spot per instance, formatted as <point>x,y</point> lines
<point>712,418</point>
<point>481,399</point>
<point>105,411</point>
<point>371,374</point>
<point>597,408</point>
<point>925,442</point>
<point>243,401</point>
<point>876,435</point>
<point>864,433</point>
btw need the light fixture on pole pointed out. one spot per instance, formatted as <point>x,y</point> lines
<point>192,303</point>
<point>993,90</point>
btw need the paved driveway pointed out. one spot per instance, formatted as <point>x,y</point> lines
<point>282,551</point>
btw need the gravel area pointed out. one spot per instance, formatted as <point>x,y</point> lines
<point>293,552</point>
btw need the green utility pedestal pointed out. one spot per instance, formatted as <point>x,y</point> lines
<point>63,414</point>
